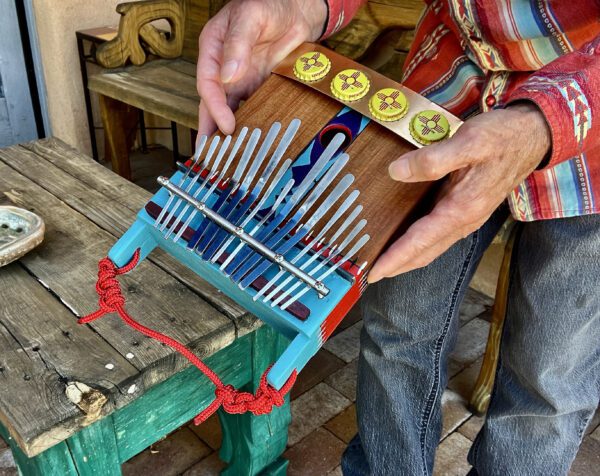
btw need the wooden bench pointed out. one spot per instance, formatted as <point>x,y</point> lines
<point>379,36</point>
<point>79,400</point>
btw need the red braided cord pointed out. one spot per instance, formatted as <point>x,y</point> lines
<point>233,401</point>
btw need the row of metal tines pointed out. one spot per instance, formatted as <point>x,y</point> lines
<point>268,214</point>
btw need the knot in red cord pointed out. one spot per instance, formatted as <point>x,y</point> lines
<point>233,401</point>
<point>110,298</point>
<point>236,402</point>
<point>108,288</point>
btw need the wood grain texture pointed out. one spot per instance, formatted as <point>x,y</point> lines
<point>43,349</point>
<point>110,202</point>
<point>482,390</point>
<point>120,125</point>
<point>94,449</point>
<point>137,36</point>
<point>198,12</point>
<point>161,87</point>
<point>253,445</point>
<point>176,401</point>
<point>53,461</point>
<point>88,408</point>
<point>66,263</point>
<point>388,205</point>
<point>379,37</point>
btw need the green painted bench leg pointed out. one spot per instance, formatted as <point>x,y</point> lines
<point>253,444</point>
<point>54,461</point>
<point>94,449</point>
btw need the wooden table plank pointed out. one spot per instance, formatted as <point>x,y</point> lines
<point>107,199</point>
<point>66,263</point>
<point>43,350</point>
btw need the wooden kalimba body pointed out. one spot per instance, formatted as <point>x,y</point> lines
<point>288,224</point>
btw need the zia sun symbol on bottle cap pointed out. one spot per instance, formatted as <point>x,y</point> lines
<point>388,104</point>
<point>312,66</point>
<point>429,126</point>
<point>350,85</point>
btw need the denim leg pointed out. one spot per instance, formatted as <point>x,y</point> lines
<point>548,379</point>
<point>410,327</point>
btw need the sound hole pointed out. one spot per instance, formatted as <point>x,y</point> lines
<point>327,135</point>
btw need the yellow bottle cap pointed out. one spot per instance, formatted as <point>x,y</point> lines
<point>350,85</point>
<point>388,104</point>
<point>312,66</point>
<point>429,126</point>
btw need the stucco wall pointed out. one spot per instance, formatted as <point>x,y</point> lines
<point>56,23</point>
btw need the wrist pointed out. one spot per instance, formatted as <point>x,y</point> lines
<point>536,129</point>
<point>315,13</point>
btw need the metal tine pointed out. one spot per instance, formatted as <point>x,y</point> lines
<point>231,187</point>
<point>347,222</point>
<point>236,215</point>
<point>284,192</point>
<point>199,148</point>
<point>219,247</point>
<point>349,238</point>
<point>213,145</point>
<point>314,241</point>
<point>287,208</point>
<point>232,154</point>
<point>286,245</point>
<point>231,192</point>
<point>214,170</point>
<point>355,249</point>
<point>211,150</point>
<point>213,229</point>
<point>306,205</point>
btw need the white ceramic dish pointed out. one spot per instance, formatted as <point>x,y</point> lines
<point>20,232</point>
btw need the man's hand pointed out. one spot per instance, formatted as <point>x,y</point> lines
<point>486,159</point>
<point>239,47</point>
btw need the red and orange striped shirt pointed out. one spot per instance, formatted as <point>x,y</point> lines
<point>470,56</point>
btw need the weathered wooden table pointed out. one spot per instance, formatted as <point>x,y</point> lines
<point>83,399</point>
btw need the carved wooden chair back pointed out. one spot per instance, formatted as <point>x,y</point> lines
<point>379,36</point>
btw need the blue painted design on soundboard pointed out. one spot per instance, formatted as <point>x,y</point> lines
<point>354,122</point>
<point>348,119</point>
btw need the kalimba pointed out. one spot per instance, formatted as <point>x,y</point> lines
<point>288,223</point>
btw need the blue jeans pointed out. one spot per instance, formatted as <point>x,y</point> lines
<point>548,379</point>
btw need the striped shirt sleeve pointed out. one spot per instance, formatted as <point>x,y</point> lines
<point>567,90</point>
<point>340,12</point>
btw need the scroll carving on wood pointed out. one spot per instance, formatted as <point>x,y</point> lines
<point>137,37</point>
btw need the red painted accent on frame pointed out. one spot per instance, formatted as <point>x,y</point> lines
<point>339,312</point>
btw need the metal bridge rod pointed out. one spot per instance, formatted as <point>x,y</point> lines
<point>245,237</point>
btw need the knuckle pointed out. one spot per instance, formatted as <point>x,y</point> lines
<point>428,165</point>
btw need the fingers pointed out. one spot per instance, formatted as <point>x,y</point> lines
<point>242,35</point>
<point>206,124</point>
<point>421,243</point>
<point>225,48</point>
<point>213,108</point>
<point>424,241</point>
<point>433,161</point>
